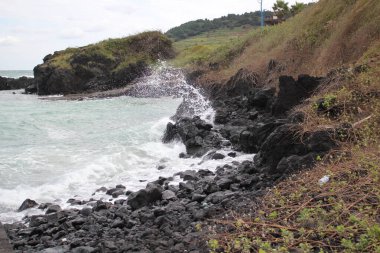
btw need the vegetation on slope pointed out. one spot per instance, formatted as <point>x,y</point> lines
<point>215,44</point>
<point>303,214</point>
<point>231,21</point>
<point>118,53</point>
<point>197,27</point>
<point>323,36</point>
<point>340,38</point>
<point>102,66</point>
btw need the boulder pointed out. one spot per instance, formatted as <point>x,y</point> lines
<point>115,192</point>
<point>292,92</point>
<point>251,139</point>
<point>261,98</point>
<point>188,175</point>
<point>168,195</point>
<point>28,203</point>
<point>282,142</point>
<point>31,89</point>
<point>294,163</point>
<point>217,156</point>
<point>170,133</point>
<point>285,141</point>
<point>241,83</point>
<point>144,197</point>
<point>37,220</point>
<point>197,135</point>
<point>4,84</point>
<point>53,209</point>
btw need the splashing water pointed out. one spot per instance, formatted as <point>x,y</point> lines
<point>169,81</point>
<point>51,151</point>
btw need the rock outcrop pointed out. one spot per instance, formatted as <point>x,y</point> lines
<point>15,83</point>
<point>106,65</point>
<point>197,135</point>
<point>255,119</point>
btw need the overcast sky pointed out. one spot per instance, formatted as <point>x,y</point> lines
<point>31,29</point>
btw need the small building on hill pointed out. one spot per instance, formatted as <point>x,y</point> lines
<point>273,20</point>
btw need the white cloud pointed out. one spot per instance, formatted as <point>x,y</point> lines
<point>72,33</point>
<point>9,41</point>
<point>43,26</point>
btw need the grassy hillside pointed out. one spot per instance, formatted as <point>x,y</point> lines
<point>197,27</point>
<point>340,38</point>
<point>209,45</point>
<point>323,36</point>
<point>301,214</point>
<point>102,66</point>
<point>117,53</point>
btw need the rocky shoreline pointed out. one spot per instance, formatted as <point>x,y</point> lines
<point>167,218</point>
<point>27,83</point>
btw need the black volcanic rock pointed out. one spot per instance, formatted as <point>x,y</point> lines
<point>166,217</point>
<point>261,98</point>
<point>239,84</point>
<point>15,83</point>
<point>53,209</point>
<point>197,135</point>
<point>28,203</point>
<point>145,197</point>
<point>293,92</point>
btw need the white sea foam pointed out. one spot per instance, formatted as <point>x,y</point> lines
<point>51,151</point>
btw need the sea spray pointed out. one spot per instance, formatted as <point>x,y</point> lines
<point>165,80</point>
<point>51,151</point>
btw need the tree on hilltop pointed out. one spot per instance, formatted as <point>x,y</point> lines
<point>281,9</point>
<point>297,8</point>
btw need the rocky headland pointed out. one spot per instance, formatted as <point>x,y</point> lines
<point>106,65</point>
<point>166,218</point>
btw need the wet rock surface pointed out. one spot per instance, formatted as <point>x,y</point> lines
<point>165,217</point>
<point>28,203</point>
<point>198,136</point>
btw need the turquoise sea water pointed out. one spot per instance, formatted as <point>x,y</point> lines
<point>16,73</point>
<point>53,150</point>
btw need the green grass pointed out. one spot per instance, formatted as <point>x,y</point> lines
<point>209,47</point>
<point>323,36</point>
<point>342,215</point>
<point>117,53</point>
<point>299,214</point>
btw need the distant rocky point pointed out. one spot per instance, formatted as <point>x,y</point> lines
<point>27,83</point>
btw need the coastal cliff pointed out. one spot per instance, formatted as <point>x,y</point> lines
<point>106,65</point>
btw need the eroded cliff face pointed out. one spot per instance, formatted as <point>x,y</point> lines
<point>106,65</point>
